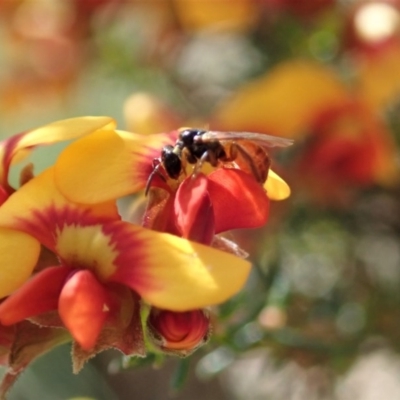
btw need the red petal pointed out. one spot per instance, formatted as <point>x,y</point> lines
<point>159,214</point>
<point>83,308</point>
<point>122,330</point>
<point>238,200</point>
<point>194,210</point>
<point>38,295</point>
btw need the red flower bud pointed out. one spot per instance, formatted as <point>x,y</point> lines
<point>178,333</point>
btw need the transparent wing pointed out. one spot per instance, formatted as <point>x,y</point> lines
<point>260,138</point>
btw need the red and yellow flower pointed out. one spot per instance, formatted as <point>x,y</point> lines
<point>102,263</point>
<point>86,270</point>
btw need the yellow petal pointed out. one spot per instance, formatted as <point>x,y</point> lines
<point>19,253</point>
<point>379,77</point>
<point>223,14</point>
<point>51,133</point>
<point>64,130</point>
<point>283,101</point>
<point>107,165</point>
<point>276,187</point>
<point>39,196</point>
<point>175,274</point>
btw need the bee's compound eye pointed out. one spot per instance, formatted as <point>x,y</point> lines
<point>166,150</point>
<point>187,135</point>
<point>172,165</point>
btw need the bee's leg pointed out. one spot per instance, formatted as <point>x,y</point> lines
<point>186,157</point>
<point>207,156</point>
<point>156,166</point>
<point>237,149</point>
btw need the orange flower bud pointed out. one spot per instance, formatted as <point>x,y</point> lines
<point>179,333</point>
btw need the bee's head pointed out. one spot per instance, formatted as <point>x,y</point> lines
<point>187,135</point>
<point>171,160</point>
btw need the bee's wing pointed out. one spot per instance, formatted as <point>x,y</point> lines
<point>260,138</point>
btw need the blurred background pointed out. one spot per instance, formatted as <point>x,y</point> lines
<point>320,316</point>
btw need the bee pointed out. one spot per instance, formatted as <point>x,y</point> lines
<point>244,150</point>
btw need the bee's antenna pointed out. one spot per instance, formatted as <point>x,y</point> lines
<point>151,177</point>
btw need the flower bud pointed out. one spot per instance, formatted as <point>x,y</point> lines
<point>179,333</point>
